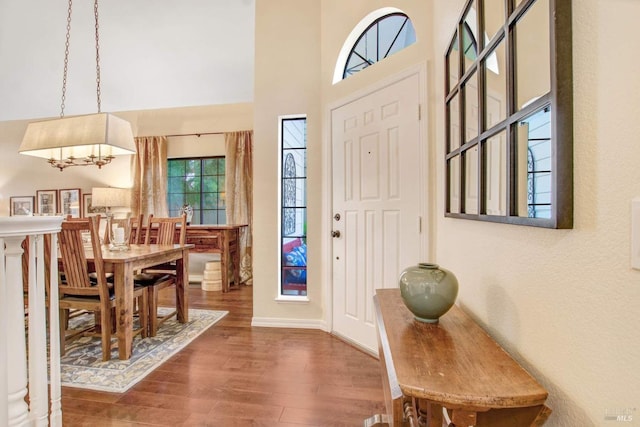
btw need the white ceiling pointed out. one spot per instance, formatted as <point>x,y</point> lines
<point>153,54</point>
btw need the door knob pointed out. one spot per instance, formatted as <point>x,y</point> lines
<point>335,233</point>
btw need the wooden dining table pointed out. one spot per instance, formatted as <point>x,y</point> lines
<point>123,264</point>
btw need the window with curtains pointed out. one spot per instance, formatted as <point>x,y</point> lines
<point>200,183</point>
<point>293,205</point>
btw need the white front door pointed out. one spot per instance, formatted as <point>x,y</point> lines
<point>377,199</point>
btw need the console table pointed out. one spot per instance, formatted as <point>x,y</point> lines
<point>223,239</point>
<point>452,365</point>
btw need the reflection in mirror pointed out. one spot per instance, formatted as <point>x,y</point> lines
<point>496,174</point>
<point>471,108</point>
<point>533,66</point>
<point>470,37</point>
<point>454,184</point>
<point>494,17</point>
<point>471,180</point>
<point>453,59</point>
<point>534,165</point>
<point>495,89</point>
<point>509,113</point>
<point>454,123</point>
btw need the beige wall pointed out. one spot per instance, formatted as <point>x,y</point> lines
<point>563,302</point>
<point>215,118</point>
<point>297,43</point>
<point>288,59</point>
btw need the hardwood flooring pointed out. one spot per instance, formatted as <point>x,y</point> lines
<point>235,375</point>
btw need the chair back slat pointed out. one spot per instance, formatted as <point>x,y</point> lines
<point>162,231</point>
<point>137,232</point>
<point>74,260</point>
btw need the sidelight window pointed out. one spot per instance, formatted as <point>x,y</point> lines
<point>293,206</point>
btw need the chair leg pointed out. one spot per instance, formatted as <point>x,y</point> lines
<point>105,320</point>
<point>143,315</point>
<point>152,301</point>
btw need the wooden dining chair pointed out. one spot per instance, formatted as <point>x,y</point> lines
<point>78,291</point>
<point>161,231</point>
<point>137,232</point>
<point>92,275</point>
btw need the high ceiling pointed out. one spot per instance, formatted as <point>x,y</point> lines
<point>153,54</point>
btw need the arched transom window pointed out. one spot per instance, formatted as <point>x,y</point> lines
<point>380,34</point>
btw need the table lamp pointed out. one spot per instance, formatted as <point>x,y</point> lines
<point>117,202</point>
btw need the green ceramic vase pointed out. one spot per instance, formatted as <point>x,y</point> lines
<point>428,291</point>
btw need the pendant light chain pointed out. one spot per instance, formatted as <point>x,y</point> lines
<point>95,11</point>
<point>66,61</point>
<point>85,139</point>
<point>66,58</point>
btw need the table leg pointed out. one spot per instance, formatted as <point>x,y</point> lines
<point>182,284</point>
<point>237,258</point>
<point>224,260</point>
<point>123,289</point>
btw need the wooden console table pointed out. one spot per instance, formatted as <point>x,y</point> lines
<point>452,364</point>
<point>223,239</point>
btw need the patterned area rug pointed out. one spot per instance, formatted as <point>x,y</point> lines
<point>82,365</point>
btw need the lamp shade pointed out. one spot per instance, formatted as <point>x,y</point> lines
<point>111,197</point>
<point>98,135</point>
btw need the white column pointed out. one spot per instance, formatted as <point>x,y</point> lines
<point>4,381</point>
<point>41,411</point>
<point>16,349</point>
<point>55,418</point>
<point>38,390</point>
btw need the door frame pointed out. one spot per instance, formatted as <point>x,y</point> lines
<point>426,179</point>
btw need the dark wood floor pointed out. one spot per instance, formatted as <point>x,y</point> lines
<point>236,375</point>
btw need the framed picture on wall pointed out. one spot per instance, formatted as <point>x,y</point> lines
<point>70,202</point>
<point>22,205</point>
<point>47,202</point>
<point>89,210</point>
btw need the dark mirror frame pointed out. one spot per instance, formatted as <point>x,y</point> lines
<point>559,101</point>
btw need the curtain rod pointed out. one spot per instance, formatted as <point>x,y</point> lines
<point>199,134</point>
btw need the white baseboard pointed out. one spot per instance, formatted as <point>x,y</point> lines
<point>273,322</point>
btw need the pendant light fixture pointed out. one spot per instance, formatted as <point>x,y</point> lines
<point>93,139</point>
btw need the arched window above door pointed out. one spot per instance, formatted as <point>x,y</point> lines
<point>380,34</point>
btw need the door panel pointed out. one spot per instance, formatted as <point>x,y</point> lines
<point>376,161</point>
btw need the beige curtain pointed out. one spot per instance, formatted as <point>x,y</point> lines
<point>149,171</point>
<point>239,193</point>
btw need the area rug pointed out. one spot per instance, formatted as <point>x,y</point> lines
<point>82,365</point>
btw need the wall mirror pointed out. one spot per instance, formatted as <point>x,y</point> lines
<point>509,113</point>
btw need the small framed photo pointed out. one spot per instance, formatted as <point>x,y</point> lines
<point>70,202</point>
<point>21,205</point>
<point>47,202</point>
<point>89,210</point>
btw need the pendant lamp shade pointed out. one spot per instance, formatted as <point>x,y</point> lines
<point>92,139</point>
